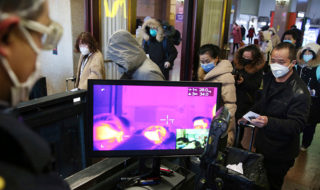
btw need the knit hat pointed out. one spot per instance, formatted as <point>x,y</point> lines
<point>312,46</point>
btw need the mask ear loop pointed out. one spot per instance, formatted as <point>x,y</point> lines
<point>10,72</point>
<point>30,39</point>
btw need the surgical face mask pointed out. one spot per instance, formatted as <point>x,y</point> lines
<point>208,67</point>
<point>51,34</point>
<point>278,70</point>
<point>288,41</point>
<point>20,91</point>
<point>84,50</point>
<point>307,58</point>
<point>153,32</point>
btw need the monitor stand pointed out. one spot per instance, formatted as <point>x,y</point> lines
<point>145,171</point>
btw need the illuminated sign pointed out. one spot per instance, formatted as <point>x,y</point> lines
<point>115,7</point>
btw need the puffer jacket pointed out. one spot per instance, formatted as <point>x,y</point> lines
<point>287,109</point>
<point>310,74</point>
<point>132,62</point>
<point>222,73</point>
<point>160,49</point>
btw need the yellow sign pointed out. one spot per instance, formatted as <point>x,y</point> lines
<point>115,7</point>
<point>2,183</point>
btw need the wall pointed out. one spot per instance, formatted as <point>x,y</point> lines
<point>313,9</point>
<point>265,7</point>
<point>78,26</point>
<point>249,7</point>
<point>153,8</point>
<point>56,68</point>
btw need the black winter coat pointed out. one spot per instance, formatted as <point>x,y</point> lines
<point>308,75</point>
<point>247,91</point>
<point>161,52</point>
<point>25,161</point>
<point>287,109</point>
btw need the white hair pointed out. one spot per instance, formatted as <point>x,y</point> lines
<point>28,9</point>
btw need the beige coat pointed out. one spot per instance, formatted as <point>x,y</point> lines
<point>94,69</point>
<point>222,74</point>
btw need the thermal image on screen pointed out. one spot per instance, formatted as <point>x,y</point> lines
<point>132,117</point>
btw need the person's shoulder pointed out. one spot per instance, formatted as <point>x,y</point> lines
<point>298,86</point>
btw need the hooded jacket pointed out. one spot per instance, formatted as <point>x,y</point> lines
<point>221,73</point>
<point>132,62</point>
<point>159,48</point>
<point>310,74</point>
<point>275,39</point>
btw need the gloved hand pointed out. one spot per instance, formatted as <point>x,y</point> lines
<point>167,64</point>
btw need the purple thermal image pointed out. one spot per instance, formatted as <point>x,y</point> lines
<point>130,117</point>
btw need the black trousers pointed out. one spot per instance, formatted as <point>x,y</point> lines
<point>234,45</point>
<point>308,134</point>
<point>276,171</point>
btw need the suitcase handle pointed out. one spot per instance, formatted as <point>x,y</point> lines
<point>252,133</point>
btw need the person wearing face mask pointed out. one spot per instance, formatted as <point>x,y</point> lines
<point>248,63</point>
<point>292,36</point>
<point>283,108</point>
<point>275,39</point>
<point>215,70</point>
<point>25,29</point>
<point>308,68</point>
<point>91,64</point>
<point>157,46</point>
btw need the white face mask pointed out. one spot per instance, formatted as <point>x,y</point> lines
<point>20,91</point>
<point>279,70</point>
<point>84,50</point>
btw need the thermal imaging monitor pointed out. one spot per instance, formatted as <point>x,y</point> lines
<point>148,118</point>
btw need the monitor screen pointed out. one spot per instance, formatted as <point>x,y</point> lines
<point>148,118</point>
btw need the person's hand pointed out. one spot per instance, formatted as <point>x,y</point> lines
<point>167,65</point>
<point>240,80</point>
<point>260,121</point>
<point>242,121</point>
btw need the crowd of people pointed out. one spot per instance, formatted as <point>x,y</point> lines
<point>279,80</point>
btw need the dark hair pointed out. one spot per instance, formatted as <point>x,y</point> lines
<point>257,56</point>
<point>312,52</point>
<point>88,39</point>
<point>290,32</point>
<point>289,46</point>
<point>212,50</point>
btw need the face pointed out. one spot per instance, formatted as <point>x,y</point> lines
<point>247,55</point>
<point>307,52</point>
<point>281,57</point>
<point>206,58</point>
<point>289,37</point>
<point>18,52</point>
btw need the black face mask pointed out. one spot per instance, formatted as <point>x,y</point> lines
<point>245,62</point>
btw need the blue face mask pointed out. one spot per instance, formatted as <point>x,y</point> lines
<point>307,58</point>
<point>153,32</point>
<point>289,41</point>
<point>208,67</point>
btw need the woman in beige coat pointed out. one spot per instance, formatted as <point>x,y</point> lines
<point>215,70</point>
<point>91,64</point>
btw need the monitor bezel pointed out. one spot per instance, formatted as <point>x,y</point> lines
<point>140,153</point>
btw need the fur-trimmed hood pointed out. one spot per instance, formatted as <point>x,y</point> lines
<point>222,68</point>
<point>152,23</point>
<point>256,65</point>
<point>312,47</point>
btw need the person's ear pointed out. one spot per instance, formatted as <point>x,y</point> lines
<point>6,26</point>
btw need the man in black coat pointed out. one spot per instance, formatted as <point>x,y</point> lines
<point>283,109</point>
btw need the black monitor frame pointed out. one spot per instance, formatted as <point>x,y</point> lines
<point>139,153</point>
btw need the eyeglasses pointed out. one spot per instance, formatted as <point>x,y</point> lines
<point>51,34</point>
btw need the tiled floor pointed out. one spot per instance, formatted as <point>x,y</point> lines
<point>305,175</point>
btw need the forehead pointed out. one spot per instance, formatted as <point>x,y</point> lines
<point>205,56</point>
<point>287,36</point>
<point>280,53</point>
<point>247,54</point>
